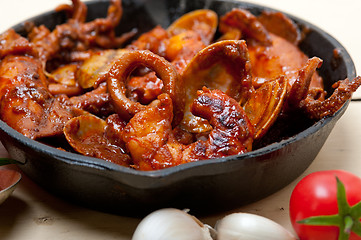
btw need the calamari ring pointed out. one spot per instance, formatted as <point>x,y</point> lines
<point>124,66</point>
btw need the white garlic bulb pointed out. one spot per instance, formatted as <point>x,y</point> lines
<point>238,226</point>
<point>171,224</point>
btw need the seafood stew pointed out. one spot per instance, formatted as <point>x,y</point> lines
<point>171,96</point>
<point>236,179</point>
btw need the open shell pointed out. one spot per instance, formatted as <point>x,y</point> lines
<point>204,22</point>
<point>93,71</point>
<point>223,65</point>
<point>87,135</point>
<point>264,106</point>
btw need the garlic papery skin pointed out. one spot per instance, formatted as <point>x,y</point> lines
<point>238,226</point>
<point>171,224</point>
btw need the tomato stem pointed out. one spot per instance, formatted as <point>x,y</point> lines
<point>347,219</point>
<point>348,224</point>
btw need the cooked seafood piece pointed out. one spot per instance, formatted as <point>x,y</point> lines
<point>96,102</point>
<point>264,106</point>
<point>63,81</point>
<point>123,67</point>
<point>87,134</point>
<point>204,22</point>
<point>301,85</point>
<point>245,25</point>
<point>155,41</point>
<point>316,108</point>
<point>173,95</point>
<point>178,44</point>
<point>26,104</point>
<point>94,70</point>
<point>224,65</point>
<point>280,25</point>
<point>152,145</point>
<point>78,35</point>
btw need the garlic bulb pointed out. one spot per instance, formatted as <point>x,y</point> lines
<point>238,226</point>
<point>170,223</point>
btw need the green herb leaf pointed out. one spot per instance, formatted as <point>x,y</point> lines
<point>6,161</point>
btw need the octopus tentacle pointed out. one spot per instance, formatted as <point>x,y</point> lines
<point>78,35</point>
<point>123,67</point>
<point>301,86</point>
<point>115,12</point>
<point>317,109</point>
<point>77,11</point>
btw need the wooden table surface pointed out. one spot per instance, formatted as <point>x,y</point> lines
<point>32,213</point>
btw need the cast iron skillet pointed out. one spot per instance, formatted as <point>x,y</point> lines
<point>205,185</point>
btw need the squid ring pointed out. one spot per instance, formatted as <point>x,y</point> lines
<point>124,66</point>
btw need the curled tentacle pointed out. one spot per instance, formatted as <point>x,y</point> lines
<point>317,109</point>
<point>115,12</point>
<point>182,40</point>
<point>80,11</point>
<point>78,35</point>
<point>101,32</point>
<point>123,67</point>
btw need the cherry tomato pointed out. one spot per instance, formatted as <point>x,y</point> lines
<point>316,195</point>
